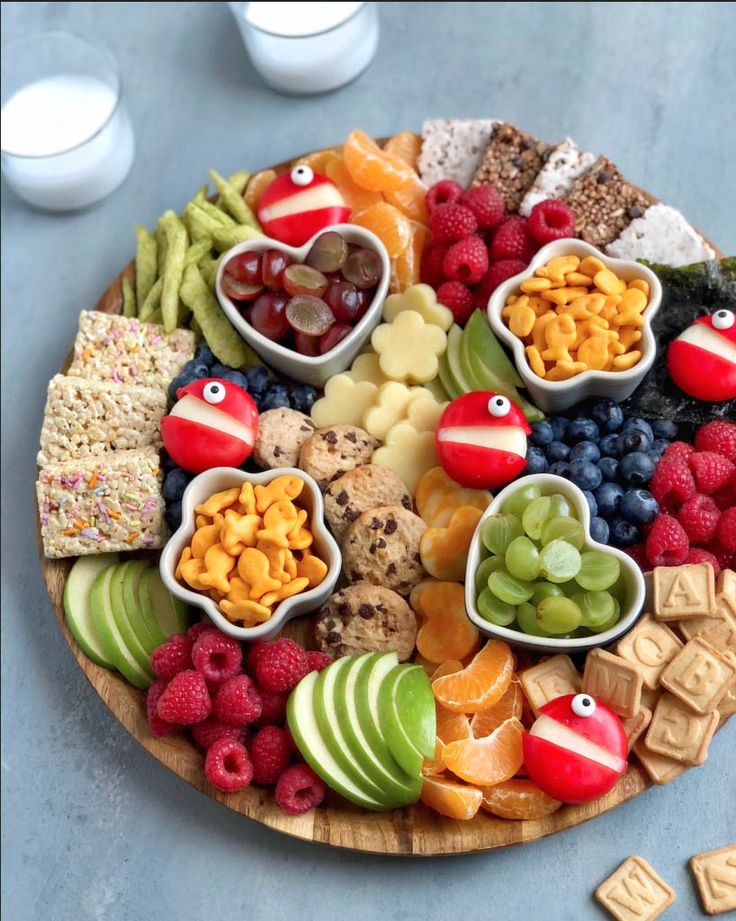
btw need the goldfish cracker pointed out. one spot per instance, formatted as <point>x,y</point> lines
<point>539,340</point>
<point>204,538</point>
<point>641,284</point>
<point>608,282</point>
<point>218,502</point>
<point>538,305</point>
<point>534,358</point>
<point>239,590</point>
<point>191,571</point>
<point>593,353</point>
<point>535,285</point>
<point>286,487</point>
<point>444,551</point>
<point>590,266</point>
<point>201,521</point>
<point>254,568</point>
<point>628,336</point>
<point>560,296</point>
<point>215,595</point>
<point>577,279</point>
<point>290,565</point>
<point>278,520</point>
<point>238,532</point>
<point>311,568</point>
<point>186,555</point>
<point>624,362</point>
<point>615,347</point>
<point>276,560</point>
<point>556,269</point>
<point>564,370</point>
<point>633,303</point>
<point>247,499</point>
<point>521,319</point>
<point>288,590</point>
<point>559,335</point>
<point>409,348</point>
<point>249,613</point>
<point>299,537</point>
<point>218,564</point>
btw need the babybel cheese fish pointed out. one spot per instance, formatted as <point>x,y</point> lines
<point>298,204</point>
<point>702,359</point>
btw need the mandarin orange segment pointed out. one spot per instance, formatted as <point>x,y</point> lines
<point>446,632</point>
<point>406,145</point>
<point>320,159</point>
<point>487,761</point>
<point>410,199</point>
<point>405,269</point>
<point>451,727</point>
<point>356,198</point>
<point>371,167</point>
<point>518,798</point>
<point>485,721</point>
<point>437,764</point>
<point>446,668</point>
<point>481,684</point>
<point>255,187</point>
<point>388,224</point>
<point>452,799</point>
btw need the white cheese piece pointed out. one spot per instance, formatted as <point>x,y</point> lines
<point>452,148</point>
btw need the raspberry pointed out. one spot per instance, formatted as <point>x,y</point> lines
<point>551,220</point>
<point>227,766</point>
<point>672,483</point>
<point>299,789</point>
<point>281,665</point>
<point>158,726</point>
<point>238,701</point>
<point>699,516</point>
<point>498,272</point>
<point>667,543</point>
<point>217,656</point>
<point>698,555</point>
<point>638,553</point>
<point>196,630</point>
<point>726,497</point>
<point>449,223</point>
<point>487,205</point>
<point>711,471</point>
<point>679,450</point>
<point>316,661</point>
<point>273,706</point>
<point>458,297</point>
<point>212,730</point>
<point>727,530</point>
<point>512,241</point>
<point>466,261</point>
<point>172,657</point>
<point>254,650</point>
<point>270,752</point>
<point>718,436</point>
<point>186,699</point>
<point>444,192</point>
<point>430,271</point>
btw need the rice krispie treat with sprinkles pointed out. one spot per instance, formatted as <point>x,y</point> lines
<point>124,350</point>
<point>102,505</point>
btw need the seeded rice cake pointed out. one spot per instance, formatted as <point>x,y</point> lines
<point>511,162</point>
<point>663,235</point>
<point>564,165</point>
<point>452,148</point>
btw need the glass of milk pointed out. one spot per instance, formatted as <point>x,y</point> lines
<point>66,135</point>
<point>304,48</point>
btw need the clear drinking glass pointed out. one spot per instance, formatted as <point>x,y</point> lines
<point>67,140</point>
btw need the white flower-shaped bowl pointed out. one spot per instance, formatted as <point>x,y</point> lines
<point>632,579</point>
<point>318,369</point>
<point>324,546</point>
<point>556,396</point>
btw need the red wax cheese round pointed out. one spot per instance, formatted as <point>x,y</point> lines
<point>702,360</point>
<point>212,424</point>
<point>481,440</point>
<point>576,750</point>
<point>298,204</point>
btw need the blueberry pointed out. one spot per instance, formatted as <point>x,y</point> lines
<point>557,451</point>
<point>559,427</point>
<point>637,468</point>
<point>167,463</point>
<point>599,529</point>
<point>623,533</point>
<point>257,380</point>
<point>219,370</point>
<point>639,425</point>
<point>592,504</point>
<point>235,377</point>
<point>658,448</point>
<point>581,430</point>
<point>536,462</point>
<point>609,445</point>
<point>664,428</point>
<point>585,474</point>
<point>542,434</point>
<point>633,440</point>
<point>204,355</point>
<point>608,415</point>
<point>173,515</point>
<point>559,468</point>
<point>190,372</point>
<point>585,451</point>
<point>639,506</point>
<point>175,483</point>
<point>302,397</point>
<point>608,496</point>
<point>276,396</point>
<point>609,468</point>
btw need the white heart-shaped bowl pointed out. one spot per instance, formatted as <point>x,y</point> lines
<point>556,396</point>
<point>324,546</point>
<point>631,576</point>
<point>312,370</point>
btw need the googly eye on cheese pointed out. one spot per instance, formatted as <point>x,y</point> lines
<point>298,204</point>
<point>481,440</point>
<point>702,359</point>
<point>212,424</point>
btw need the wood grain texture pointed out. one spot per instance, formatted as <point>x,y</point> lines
<point>412,831</point>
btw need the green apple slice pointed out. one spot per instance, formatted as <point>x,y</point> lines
<point>103,622</point>
<point>122,620</point>
<point>404,730</point>
<point>457,376</point>
<point>389,776</point>
<point>77,607</point>
<point>444,376</point>
<point>489,351</point>
<point>163,614</point>
<point>415,708</point>
<point>133,609</point>
<point>367,690</point>
<point>302,722</point>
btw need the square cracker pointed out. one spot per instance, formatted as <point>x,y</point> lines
<point>549,679</point>
<point>682,592</point>
<point>679,733</point>
<point>635,726</point>
<point>699,675</point>
<point>661,769</point>
<point>635,892</point>
<point>726,584</point>
<point>452,148</point>
<point>614,681</point>
<point>650,646</point>
<point>719,630</point>
<point>715,876</point>
<point>511,162</point>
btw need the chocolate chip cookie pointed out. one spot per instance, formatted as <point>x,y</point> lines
<point>333,450</point>
<point>281,434</point>
<point>358,490</point>
<point>382,547</point>
<point>366,618</point>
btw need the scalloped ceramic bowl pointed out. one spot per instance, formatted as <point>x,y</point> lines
<point>556,396</point>
<point>313,370</point>
<point>324,546</point>
<point>633,580</point>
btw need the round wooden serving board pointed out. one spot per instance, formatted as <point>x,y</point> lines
<point>415,830</point>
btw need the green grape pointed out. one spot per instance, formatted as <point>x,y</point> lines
<point>544,590</point>
<point>558,615</point>
<point>492,609</point>
<point>536,515</point>
<point>499,530</point>
<point>560,506</point>
<point>564,528</point>
<point>598,570</point>
<point>570,588</point>
<point>489,565</point>
<point>522,559</point>
<point>597,608</point>
<point>560,561</point>
<point>520,498</point>
<point>609,623</point>
<point>483,551</point>
<point>509,589</point>
<point>526,618</point>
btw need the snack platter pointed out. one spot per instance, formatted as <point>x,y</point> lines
<point>390,447</point>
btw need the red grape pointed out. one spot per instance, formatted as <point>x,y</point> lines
<point>309,315</point>
<point>268,315</point>
<point>328,253</point>
<point>335,334</point>
<point>303,279</point>
<point>245,267</point>
<point>363,268</point>
<point>346,302</point>
<point>307,345</point>
<point>272,267</point>
<point>238,290</point>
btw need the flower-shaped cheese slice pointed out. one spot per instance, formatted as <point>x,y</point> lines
<point>422,299</point>
<point>444,551</point>
<point>407,452</point>
<point>366,367</point>
<point>409,347</point>
<point>423,411</point>
<point>345,401</point>
<point>389,408</point>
